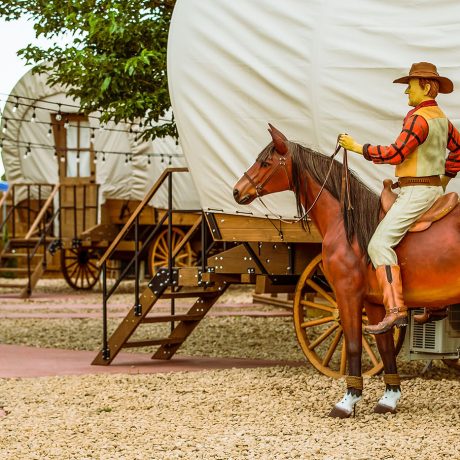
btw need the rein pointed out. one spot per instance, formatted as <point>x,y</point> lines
<point>345,190</point>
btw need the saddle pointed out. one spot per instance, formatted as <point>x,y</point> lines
<point>441,207</point>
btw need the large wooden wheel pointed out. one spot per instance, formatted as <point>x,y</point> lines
<point>318,329</point>
<point>158,253</point>
<point>79,267</point>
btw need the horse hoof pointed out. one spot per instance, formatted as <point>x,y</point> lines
<point>382,409</point>
<point>337,412</point>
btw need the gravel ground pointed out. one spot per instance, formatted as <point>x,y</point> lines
<point>237,337</point>
<point>274,413</point>
<point>277,413</point>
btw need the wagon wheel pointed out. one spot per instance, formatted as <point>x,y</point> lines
<point>318,328</point>
<point>79,267</point>
<point>158,253</point>
<point>453,363</point>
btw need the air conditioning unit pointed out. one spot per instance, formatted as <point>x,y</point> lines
<point>436,340</point>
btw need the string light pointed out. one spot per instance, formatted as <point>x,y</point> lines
<point>16,105</point>
<point>28,151</point>
<point>55,154</point>
<point>128,155</point>
<point>59,114</point>
<point>49,132</point>
<point>95,158</point>
<point>34,116</point>
<point>5,126</point>
<point>92,134</point>
<point>66,123</point>
<point>148,160</point>
<point>78,158</point>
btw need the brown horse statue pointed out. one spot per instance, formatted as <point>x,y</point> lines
<point>429,260</point>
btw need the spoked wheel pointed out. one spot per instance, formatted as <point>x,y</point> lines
<point>79,267</point>
<point>453,363</point>
<point>318,328</point>
<point>158,254</point>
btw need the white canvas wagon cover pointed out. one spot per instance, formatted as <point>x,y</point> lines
<point>312,68</point>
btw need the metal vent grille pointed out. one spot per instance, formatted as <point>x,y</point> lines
<point>424,335</point>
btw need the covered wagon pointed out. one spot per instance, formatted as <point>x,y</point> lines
<point>232,68</point>
<point>73,184</point>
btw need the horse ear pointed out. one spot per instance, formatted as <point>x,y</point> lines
<point>274,130</point>
<point>279,139</point>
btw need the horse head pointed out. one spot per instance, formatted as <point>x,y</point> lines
<point>270,173</point>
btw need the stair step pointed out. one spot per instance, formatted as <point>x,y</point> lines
<point>16,255</point>
<point>150,343</point>
<point>22,242</point>
<point>185,295</point>
<point>168,318</point>
<point>15,285</point>
<point>15,270</point>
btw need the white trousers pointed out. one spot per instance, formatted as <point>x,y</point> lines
<point>411,203</point>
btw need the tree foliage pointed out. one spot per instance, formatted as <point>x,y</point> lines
<point>115,61</point>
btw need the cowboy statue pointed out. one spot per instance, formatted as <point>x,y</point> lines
<point>423,172</point>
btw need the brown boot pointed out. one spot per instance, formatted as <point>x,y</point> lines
<point>428,316</point>
<point>389,279</point>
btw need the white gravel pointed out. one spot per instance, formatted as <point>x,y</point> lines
<point>275,413</point>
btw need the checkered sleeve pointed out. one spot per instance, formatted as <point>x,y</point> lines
<point>414,132</point>
<point>453,144</point>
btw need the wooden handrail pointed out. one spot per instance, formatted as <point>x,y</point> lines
<point>138,210</point>
<point>42,212</point>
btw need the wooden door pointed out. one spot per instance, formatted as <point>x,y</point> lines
<point>78,194</point>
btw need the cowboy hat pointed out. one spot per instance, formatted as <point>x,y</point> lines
<point>427,70</point>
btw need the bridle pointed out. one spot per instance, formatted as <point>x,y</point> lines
<point>345,192</point>
<point>260,187</point>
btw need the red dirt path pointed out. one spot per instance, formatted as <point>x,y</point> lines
<point>22,361</point>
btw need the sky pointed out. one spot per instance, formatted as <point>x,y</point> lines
<point>13,36</point>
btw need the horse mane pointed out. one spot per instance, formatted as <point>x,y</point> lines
<point>362,220</point>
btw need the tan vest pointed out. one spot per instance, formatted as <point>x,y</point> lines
<point>429,159</point>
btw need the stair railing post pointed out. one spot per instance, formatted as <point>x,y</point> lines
<point>203,243</point>
<point>138,306</point>
<point>44,229</point>
<point>13,193</point>
<point>105,343</point>
<point>28,206</point>
<point>170,248</point>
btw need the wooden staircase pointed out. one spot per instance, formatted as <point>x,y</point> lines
<point>23,256</point>
<point>182,325</point>
<point>168,283</point>
<point>26,268</point>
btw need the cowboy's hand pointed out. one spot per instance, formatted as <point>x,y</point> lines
<point>348,143</point>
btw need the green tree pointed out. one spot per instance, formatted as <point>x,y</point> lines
<point>115,61</point>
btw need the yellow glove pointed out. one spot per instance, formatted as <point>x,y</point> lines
<point>347,142</point>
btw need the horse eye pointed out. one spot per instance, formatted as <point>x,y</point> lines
<point>264,164</point>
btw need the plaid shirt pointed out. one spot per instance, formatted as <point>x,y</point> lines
<point>414,133</point>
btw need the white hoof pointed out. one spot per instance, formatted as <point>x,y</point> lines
<point>347,403</point>
<point>389,401</point>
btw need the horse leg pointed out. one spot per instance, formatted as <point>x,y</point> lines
<point>350,308</point>
<point>385,344</point>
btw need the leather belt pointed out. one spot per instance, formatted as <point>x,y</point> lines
<point>410,181</point>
